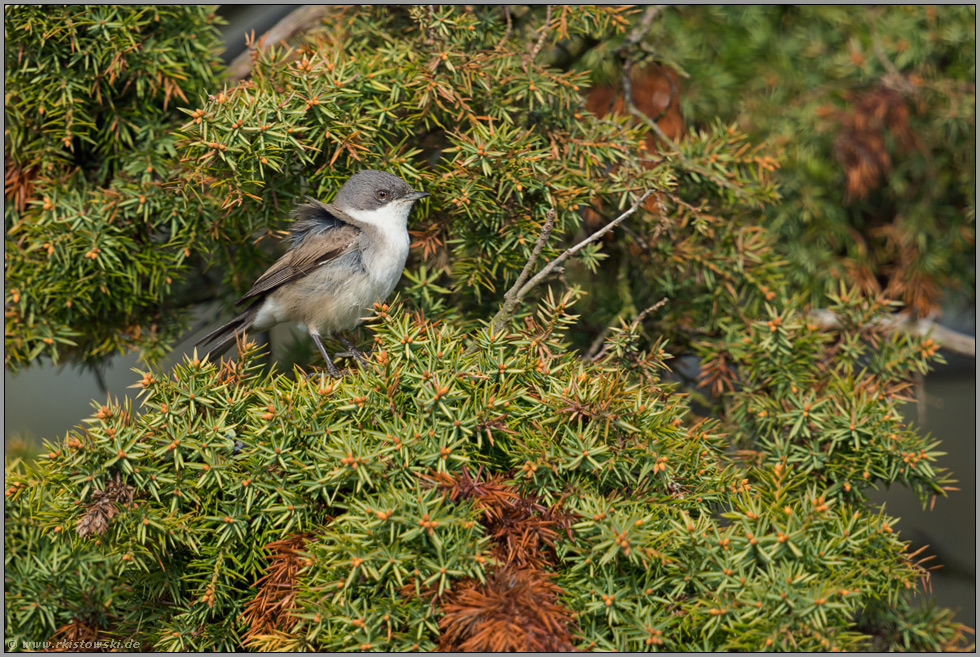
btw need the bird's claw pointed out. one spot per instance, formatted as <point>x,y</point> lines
<point>353,353</point>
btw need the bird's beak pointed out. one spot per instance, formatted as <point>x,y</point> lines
<point>414,196</point>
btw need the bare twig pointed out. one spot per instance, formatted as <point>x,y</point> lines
<point>510,26</point>
<point>893,78</point>
<point>581,245</point>
<point>641,28</point>
<point>294,22</point>
<point>512,298</point>
<point>549,225</point>
<point>632,327</point>
<point>652,309</point>
<point>948,339</point>
<point>599,342</point>
<point>544,33</point>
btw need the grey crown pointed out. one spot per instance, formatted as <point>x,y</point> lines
<point>369,190</point>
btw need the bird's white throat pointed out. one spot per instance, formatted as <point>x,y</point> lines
<point>386,251</point>
<point>393,216</point>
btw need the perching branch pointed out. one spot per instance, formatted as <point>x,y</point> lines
<point>294,22</point>
<point>946,338</point>
<point>513,296</point>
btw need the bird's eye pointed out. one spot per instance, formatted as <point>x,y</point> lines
<point>381,194</point>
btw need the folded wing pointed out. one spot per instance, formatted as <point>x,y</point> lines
<point>320,234</point>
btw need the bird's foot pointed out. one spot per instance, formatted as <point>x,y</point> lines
<point>332,369</point>
<point>334,372</point>
<point>352,351</point>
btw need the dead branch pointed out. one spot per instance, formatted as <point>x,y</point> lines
<point>513,298</point>
<point>294,22</point>
<point>948,339</point>
<point>592,355</point>
<point>638,32</point>
<point>686,162</point>
<point>544,33</point>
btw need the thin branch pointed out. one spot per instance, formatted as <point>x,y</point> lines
<point>294,22</point>
<point>641,28</point>
<point>957,343</point>
<point>515,297</point>
<point>549,225</point>
<point>599,342</point>
<point>632,327</point>
<point>893,78</point>
<point>581,245</point>
<point>544,33</point>
<point>511,298</point>
<point>510,26</point>
<point>652,309</point>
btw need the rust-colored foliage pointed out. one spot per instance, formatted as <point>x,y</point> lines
<point>431,240</point>
<point>523,529</point>
<point>718,375</point>
<point>874,118</point>
<point>861,146</point>
<point>270,609</point>
<point>656,93</point>
<point>517,610</point>
<point>103,507</point>
<point>18,183</point>
<point>78,636</point>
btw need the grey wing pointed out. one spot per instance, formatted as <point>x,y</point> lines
<point>307,253</point>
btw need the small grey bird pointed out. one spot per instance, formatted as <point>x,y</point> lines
<point>345,256</point>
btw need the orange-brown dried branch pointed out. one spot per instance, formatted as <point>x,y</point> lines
<point>271,608</point>
<point>523,530</point>
<point>78,636</point>
<point>517,610</point>
<point>103,507</point>
<point>656,93</point>
<point>718,375</point>
<point>431,240</point>
<point>861,145</point>
<point>18,183</point>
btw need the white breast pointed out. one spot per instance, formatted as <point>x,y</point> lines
<point>345,290</point>
<point>384,244</point>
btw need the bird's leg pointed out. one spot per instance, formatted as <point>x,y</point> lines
<point>354,351</point>
<point>326,357</point>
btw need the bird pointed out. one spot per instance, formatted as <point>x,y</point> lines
<point>344,256</point>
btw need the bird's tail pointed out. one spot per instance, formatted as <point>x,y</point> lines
<point>228,334</point>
